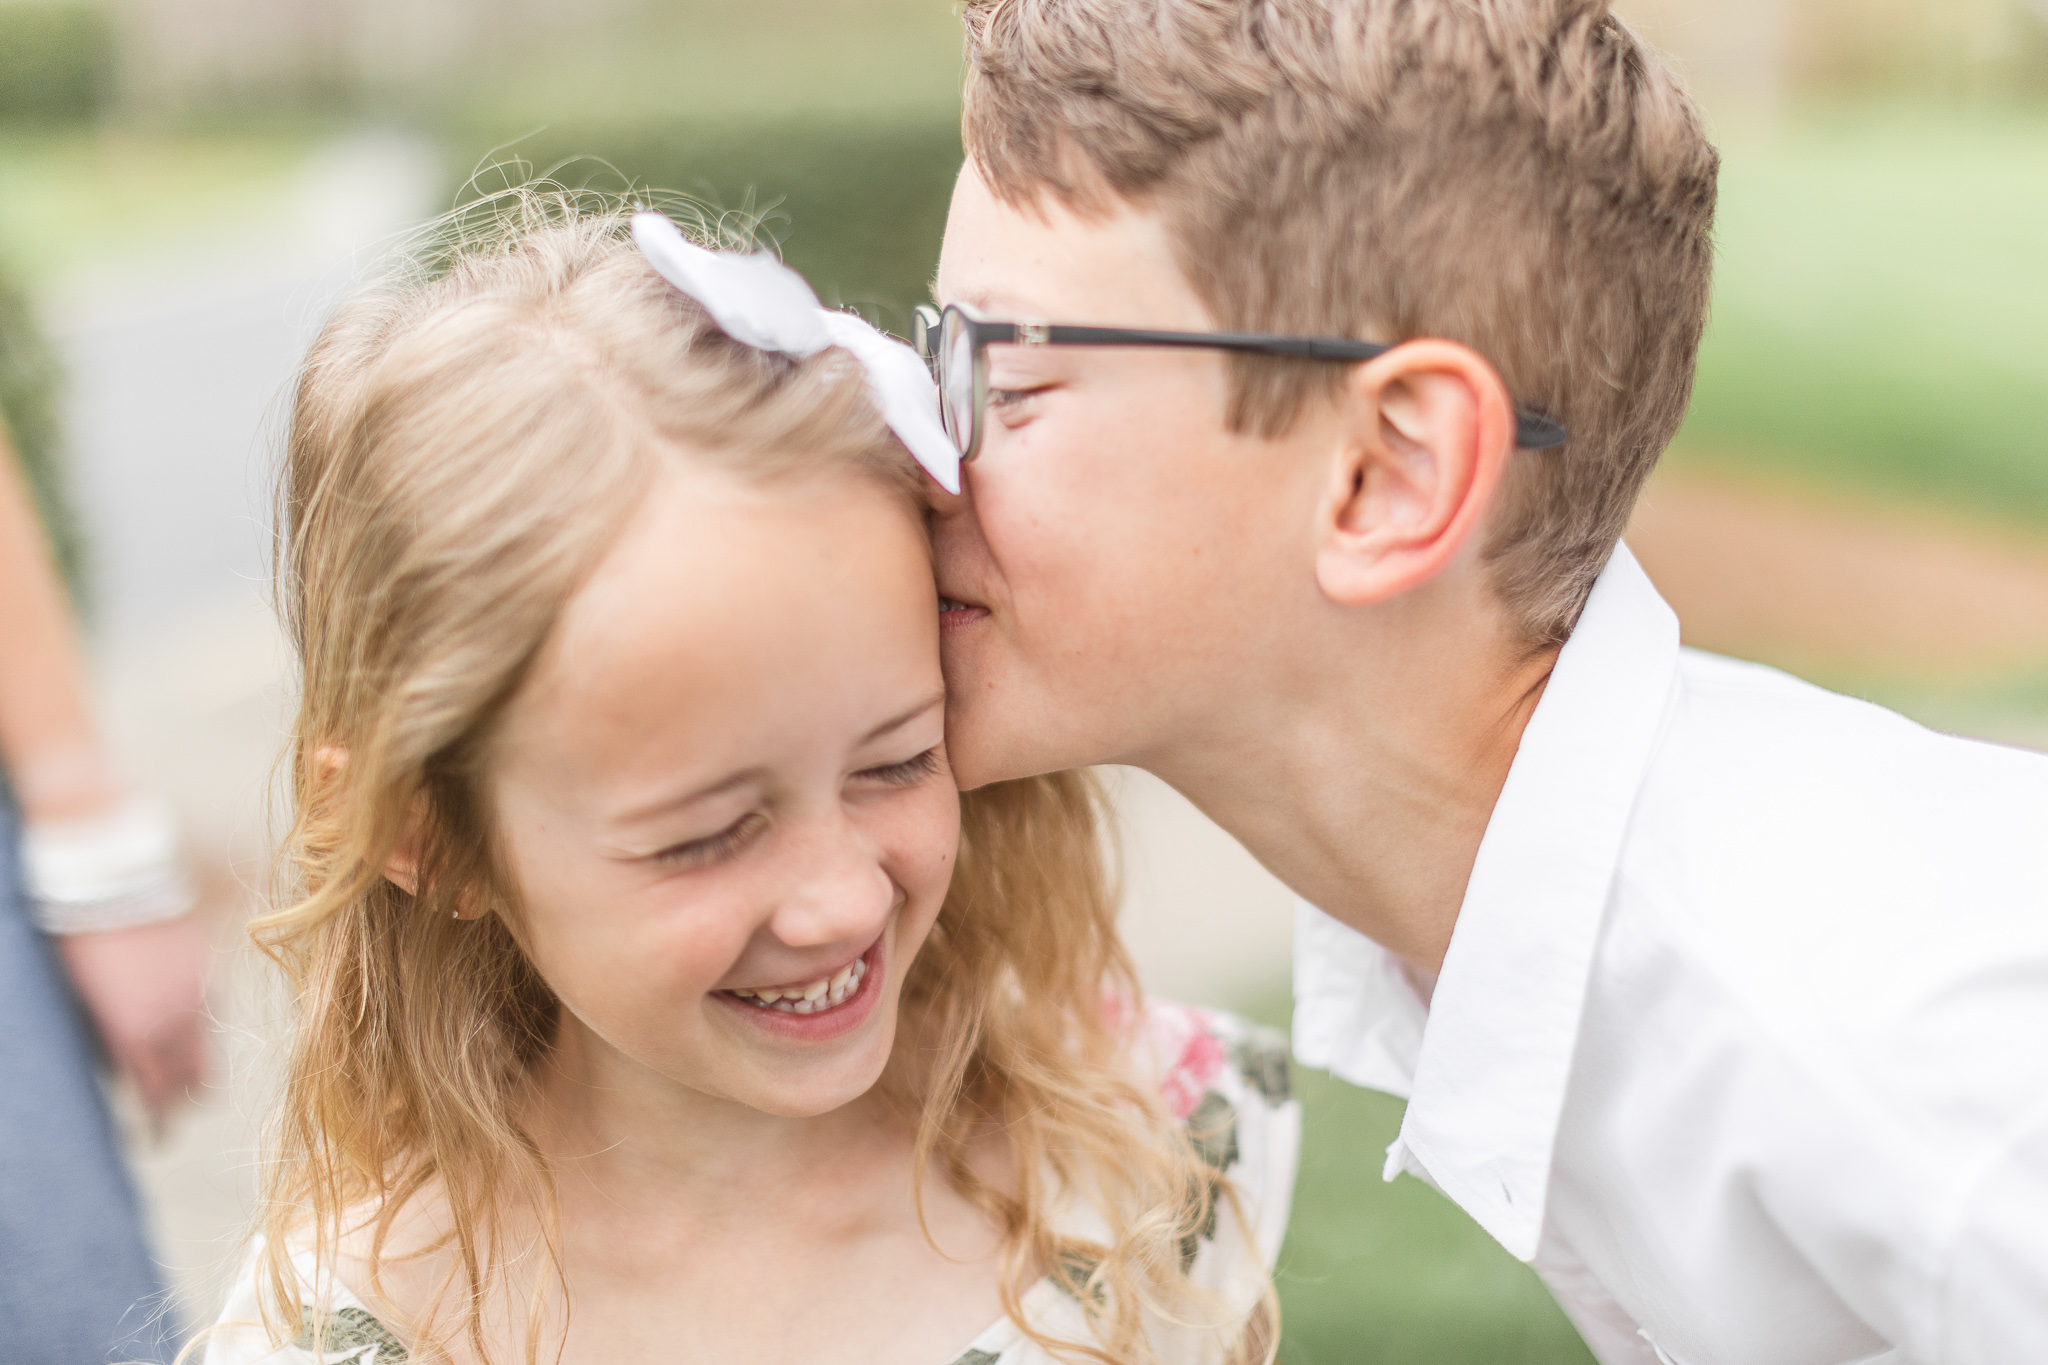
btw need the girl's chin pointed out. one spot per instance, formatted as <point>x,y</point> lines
<point>816,1096</point>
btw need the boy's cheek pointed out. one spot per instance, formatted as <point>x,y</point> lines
<point>1075,569</point>
<point>1051,517</point>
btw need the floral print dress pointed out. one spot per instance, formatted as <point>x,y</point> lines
<point>1226,1079</point>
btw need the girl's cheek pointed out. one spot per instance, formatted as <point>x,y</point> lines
<point>641,941</point>
<point>698,943</point>
<point>925,844</point>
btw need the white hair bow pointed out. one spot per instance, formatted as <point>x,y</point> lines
<point>762,302</point>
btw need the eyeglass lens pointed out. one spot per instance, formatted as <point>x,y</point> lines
<point>924,320</point>
<point>956,381</point>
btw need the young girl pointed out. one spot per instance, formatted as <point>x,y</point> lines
<point>659,997</point>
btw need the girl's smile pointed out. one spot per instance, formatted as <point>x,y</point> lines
<point>828,1006</point>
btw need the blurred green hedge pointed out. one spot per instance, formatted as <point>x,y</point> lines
<point>29,404</point>
<point>857,205</point>
<point>56,62</point>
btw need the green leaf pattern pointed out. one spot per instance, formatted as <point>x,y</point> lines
<point>350,1336</point>
<point>1263,1058</point>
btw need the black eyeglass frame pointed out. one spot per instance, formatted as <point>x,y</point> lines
<point>929,332</point>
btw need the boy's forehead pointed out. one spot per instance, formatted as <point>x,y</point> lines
<point>1044,262</point>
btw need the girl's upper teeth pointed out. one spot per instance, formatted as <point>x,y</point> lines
<point>811,997</point>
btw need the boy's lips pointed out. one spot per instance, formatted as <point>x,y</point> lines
<point>955,614</point>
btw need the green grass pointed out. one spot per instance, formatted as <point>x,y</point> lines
<point>859,208</point>
<point>67,197</point>
<point>2011,709</point>
<point>57,61</point>
<point>1881,306</point>
<point>835,122</point>
<point>1395,1274</point>
<point>701,62</point>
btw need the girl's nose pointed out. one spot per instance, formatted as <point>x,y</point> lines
<point>841,894</point>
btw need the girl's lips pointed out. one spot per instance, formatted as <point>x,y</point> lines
<point>826,1024</point>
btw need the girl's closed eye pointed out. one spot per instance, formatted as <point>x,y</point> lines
<point>715,848</point>
<point>908,773</point>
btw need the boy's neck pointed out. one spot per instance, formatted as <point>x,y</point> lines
<point>1369,793</point>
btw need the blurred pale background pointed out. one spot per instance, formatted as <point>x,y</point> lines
<point>1861,494</point>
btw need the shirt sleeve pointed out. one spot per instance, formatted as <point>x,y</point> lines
<point>239,1337</point>
<point>350,1334</point>
<point>1994,1296</point>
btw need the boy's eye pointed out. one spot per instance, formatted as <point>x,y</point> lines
<point>715,848</point>
<point>1011,404</point>
<point>908,773</point>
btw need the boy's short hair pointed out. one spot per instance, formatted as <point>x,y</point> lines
<point>1527,177</point>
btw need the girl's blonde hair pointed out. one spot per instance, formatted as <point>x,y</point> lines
<point>467,439</point>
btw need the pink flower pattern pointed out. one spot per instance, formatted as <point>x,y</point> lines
<point>1193,1056</point>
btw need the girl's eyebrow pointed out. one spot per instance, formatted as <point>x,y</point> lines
<point>661,805</point>
<point>937,698</point>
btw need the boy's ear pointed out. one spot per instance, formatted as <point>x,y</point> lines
<point>1428,430</point>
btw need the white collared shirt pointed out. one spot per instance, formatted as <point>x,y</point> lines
<point>1742,1037</point>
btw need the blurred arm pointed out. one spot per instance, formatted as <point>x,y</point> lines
<point>49,745</point>
<point>144,986</point>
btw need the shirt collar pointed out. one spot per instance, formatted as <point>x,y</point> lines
<point>1487,1080</point>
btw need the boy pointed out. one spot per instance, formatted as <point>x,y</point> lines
<point>1722,1000</point>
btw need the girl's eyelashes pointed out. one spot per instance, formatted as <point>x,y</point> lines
<point>734,838</point>
<point>908,773</point>
<point>715,848</point>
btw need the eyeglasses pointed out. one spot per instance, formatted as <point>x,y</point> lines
<point>955,344</point>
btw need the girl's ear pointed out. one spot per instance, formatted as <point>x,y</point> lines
<point>401,869</point>
<point>1430,433</point>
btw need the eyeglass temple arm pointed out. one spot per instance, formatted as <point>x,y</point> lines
<point>1533,430</point>
<point>1259,343</point>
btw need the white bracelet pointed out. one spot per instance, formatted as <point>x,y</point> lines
<point>113,872</point>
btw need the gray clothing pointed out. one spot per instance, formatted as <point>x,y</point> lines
<point>77,1285</point>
